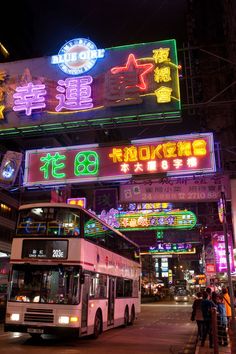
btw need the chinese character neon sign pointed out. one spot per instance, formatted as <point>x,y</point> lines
<point>144,77</point>
<point>132,66</point>
<point>178,155</point>
<point>218,240</point>
<point>128,221</point>
<point>156,221</point>
<point>29,97</point>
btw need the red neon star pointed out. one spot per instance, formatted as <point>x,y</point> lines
<point>132,65</point>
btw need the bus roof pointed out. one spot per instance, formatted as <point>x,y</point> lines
<point>72,206</point>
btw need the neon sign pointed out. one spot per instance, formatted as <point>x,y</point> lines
<point>132,67</point>
<point>144,77</point>
<point>77,56</point>
<point>156,221</point>
<point>171,248</point>
<point>29,97</point>
<point>178,155</point>
<point>126,221</point>
<point>218,240</point>
<point>81,201</point>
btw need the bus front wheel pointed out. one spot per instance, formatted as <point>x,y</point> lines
<point>126,317</point>
<point>97,325</point>
<point>132,316</point>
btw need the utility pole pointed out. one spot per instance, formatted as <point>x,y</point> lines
<point>227,254</point>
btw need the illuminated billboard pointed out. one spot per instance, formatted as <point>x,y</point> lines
<point>171,248</point>
<point>180,219</point>
<point>177,155</point>
<point>219,246</point>
<point>83,86</point>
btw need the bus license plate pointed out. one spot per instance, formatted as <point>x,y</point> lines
<point>35,330</point>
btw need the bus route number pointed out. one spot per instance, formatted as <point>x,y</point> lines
<point>57,254</point>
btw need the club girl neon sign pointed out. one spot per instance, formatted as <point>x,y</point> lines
<point>77,56</point>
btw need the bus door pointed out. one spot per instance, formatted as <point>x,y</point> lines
<point>85,298</point>
<point>111,301</point>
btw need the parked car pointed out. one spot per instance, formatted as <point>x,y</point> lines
<point>182,296</point>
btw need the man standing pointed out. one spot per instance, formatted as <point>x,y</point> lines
<point>207,306</point>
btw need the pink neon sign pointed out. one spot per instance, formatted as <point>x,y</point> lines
<point>218,241</point>
<point>29,97</point>
<point>73,94</point>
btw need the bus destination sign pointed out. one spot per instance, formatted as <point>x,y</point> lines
<point>45,249</point>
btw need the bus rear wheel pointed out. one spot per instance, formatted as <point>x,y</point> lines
<point>97,325</point>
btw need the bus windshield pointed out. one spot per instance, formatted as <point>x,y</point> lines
<point>45,284</point>
<point>48,221</point>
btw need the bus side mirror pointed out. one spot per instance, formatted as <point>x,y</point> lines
<point>82,278</point>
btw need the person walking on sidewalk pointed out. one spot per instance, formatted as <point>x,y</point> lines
<point>209,292</point>
<point>221,321</point>
<point>207,306</point>
<point>226,300</point>
<point>197,312</point>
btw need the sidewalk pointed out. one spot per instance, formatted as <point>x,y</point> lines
<point>207,350</point>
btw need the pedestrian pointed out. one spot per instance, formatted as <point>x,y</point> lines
<point>209,292</point>
<point>221,321</point>
<point>214,297</point>
<point>207,305</point>
<point>226,300</point>
<point>234,298</point>
<point>198,316</point>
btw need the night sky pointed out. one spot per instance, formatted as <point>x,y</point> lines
<point>31,29</point>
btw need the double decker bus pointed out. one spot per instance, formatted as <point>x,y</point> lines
<point>70,273</point>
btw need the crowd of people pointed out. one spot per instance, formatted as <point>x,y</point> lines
<point>202,312</point>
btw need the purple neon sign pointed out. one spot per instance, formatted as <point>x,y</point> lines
<point>29,97</point>
<point>73,94</point>
<point>219,251</point>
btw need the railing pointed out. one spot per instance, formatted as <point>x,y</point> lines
<point>223,334</point>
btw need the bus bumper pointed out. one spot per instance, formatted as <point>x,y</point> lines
<point>62,331</point>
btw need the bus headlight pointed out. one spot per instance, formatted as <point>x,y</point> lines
<point>64,319</point>
<point>176,297</point>
<point>67,319</point>
<point>15,317</point>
